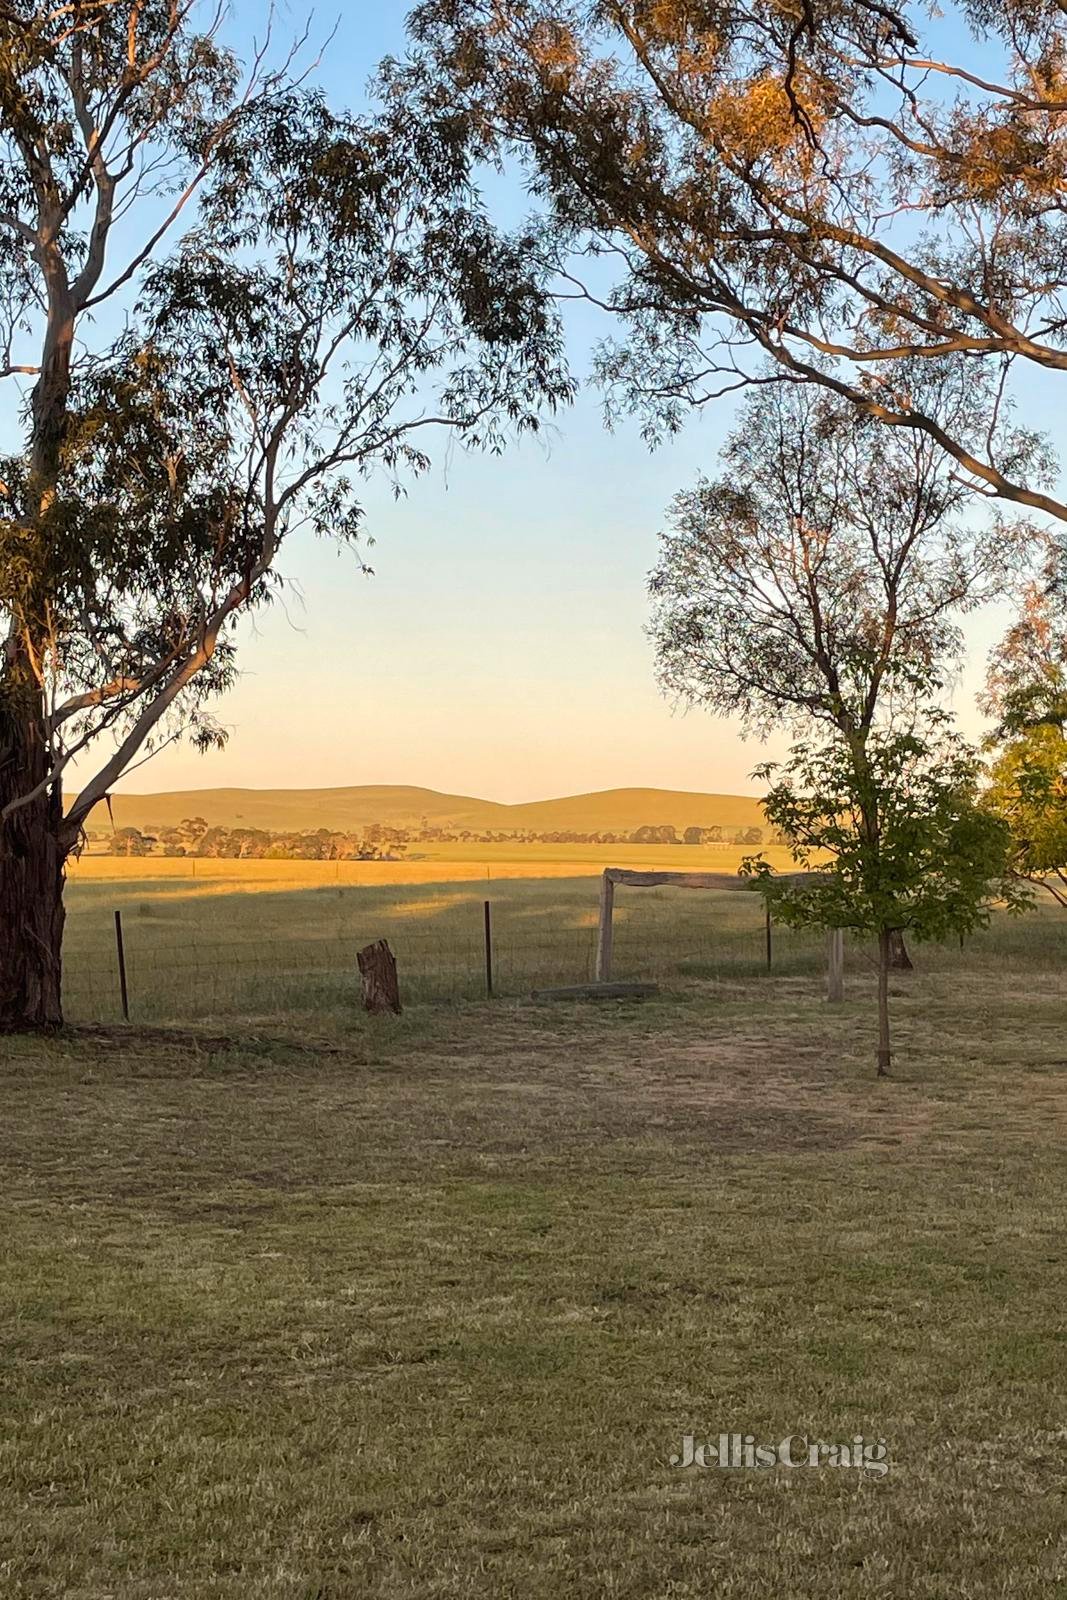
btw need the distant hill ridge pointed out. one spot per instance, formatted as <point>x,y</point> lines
<point>301,810</point>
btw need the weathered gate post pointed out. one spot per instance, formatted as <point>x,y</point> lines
<point>835,965</point>
<point>605,931</point>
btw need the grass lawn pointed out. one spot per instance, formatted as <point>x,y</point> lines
<point>422,1309</point>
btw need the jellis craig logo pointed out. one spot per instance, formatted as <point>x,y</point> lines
<point>738,1450</point>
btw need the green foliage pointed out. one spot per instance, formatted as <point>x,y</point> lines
<point>1027,692</point>
<point>894,831</point>
<point>1033,695</point>
<point>1028,790</point>
<point>318,296</point>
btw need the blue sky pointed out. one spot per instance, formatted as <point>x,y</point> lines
<point>498,649</point>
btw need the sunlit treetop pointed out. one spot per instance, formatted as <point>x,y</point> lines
<point>225,303</point>
<point>810,181</point>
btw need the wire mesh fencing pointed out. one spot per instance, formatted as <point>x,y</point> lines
<point>230,953</point>
<point>226,953</point>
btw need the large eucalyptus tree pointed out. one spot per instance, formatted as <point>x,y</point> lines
<point>221,303</point>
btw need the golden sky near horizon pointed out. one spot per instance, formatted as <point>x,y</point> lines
<point>498,650</point>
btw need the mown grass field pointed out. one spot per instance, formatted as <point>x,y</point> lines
<point>297,1303</point>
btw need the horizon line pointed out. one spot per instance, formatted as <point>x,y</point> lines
<point>339,788</point>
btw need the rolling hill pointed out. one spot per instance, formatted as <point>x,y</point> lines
<point>300,810</point>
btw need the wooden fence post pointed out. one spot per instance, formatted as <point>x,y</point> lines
<point>835,965</point>
<point>121,950</point>
<point>605,932</point>
<point>488,950</point>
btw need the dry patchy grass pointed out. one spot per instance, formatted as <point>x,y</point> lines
<point>421,1310</point>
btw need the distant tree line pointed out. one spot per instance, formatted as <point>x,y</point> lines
<point>379,842</point>
<point>193,837</point>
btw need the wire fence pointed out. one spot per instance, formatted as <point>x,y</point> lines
<point>261,954</point>
<point>225,955</point>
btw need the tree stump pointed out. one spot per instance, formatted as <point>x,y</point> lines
<point>377,971</point>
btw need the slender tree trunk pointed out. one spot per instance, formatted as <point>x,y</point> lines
<point>899,959</point>
<point>32,856</point>
<point>884,957</point>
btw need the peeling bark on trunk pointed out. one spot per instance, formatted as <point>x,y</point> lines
<point>32,858</point>
<point>34,841</point>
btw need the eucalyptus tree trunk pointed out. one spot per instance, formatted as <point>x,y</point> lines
<point>33,840</point>
<point>32,856</point>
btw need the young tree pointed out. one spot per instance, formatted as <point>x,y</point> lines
<point>825,572</point>
<point>229,303</point>
<point>899,839</point>
<point>803,181</point>
<point>820,582</point>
